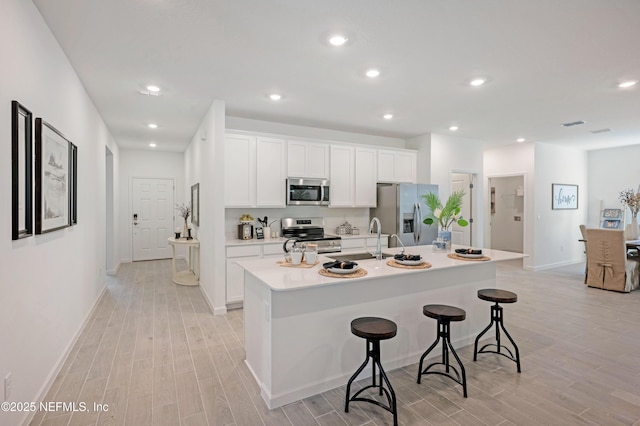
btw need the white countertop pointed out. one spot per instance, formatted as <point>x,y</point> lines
<point>280,278</point>
<point>281,240</point>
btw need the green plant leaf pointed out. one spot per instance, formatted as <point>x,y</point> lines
<point>462,222</point>
<point>428,221</point>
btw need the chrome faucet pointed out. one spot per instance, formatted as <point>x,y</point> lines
<point>378,252</point>
<point>397,239</point>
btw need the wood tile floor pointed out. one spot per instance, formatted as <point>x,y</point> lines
<point>155,354</point>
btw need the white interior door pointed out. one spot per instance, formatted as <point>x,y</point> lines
<point>463,182</point>
<point>152,218</point>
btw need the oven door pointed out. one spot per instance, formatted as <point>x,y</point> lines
<point>307,192</point>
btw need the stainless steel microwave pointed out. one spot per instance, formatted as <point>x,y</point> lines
<point>307,192</point>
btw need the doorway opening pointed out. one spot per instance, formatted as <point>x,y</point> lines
<point>110,260</point>
<point>506,213</point>
<point>464,182</point>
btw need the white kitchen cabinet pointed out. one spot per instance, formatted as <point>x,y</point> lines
<point>239,171</point>
<point>341,180</point>
<point>353,176</point>
<point>254,171</point>
<point>270,172</point>
<point>235,274</point>
<point>397,166</point>
<point>307,160</point>
<point>365,243</point>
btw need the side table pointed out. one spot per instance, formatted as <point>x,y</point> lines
<point>189,276</point>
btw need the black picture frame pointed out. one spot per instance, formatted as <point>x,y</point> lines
<point>52,178</point>
<point>195,204</point>
<point>564,196</point>
<point>73,160</point>
<point>21,171</point>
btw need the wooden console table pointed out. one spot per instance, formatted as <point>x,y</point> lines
<point>189,276</point>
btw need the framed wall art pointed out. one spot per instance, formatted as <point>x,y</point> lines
<point>195,204</point>
<point>21,171</point>
<point>564,196</point>
<point>73,208</point>
<point>53,179</point>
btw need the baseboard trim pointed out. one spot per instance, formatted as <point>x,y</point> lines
<point>63,358</point>
<point>115,270</point>
<point>555,265</point>
<point>216,311</point>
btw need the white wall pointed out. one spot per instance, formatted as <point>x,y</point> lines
<point>557,231</point>
<point>422,144</point>
<point>204,164</point>
<point>246,124</point>
<point>451,154</point>
<point>146,164</point>
<point>50,282</point>
<point>611,171</point>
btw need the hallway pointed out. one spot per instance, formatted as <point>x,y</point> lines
<point>155,354</point>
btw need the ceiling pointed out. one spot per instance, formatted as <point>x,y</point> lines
<point>546,62</point>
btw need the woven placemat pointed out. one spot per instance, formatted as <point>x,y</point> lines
<point>479,259</point>
<point>423,265</point>
<point>302,264</point>
<point>358,274</point>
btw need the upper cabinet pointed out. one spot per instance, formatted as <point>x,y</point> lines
<point>353,176</point>
<point>254,171</point>
<point>397,166</point>
<point>307,159</point>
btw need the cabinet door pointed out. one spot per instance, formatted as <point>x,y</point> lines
<point>386,163</point>
<point>318,161</point>
<point>235,281</point>
<point>297,159</point>
<point>239,171</point>
<point>270,172</point>
<point>405,166</point>
<point>365,177</point>
<point>342,176</point>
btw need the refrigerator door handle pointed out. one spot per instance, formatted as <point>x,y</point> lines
<point>415,223</point>
<point>419,224</point>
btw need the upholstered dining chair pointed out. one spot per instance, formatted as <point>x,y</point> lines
<point>608,267</point>
<point>583,231</point>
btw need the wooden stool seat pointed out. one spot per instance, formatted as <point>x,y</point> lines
<point>374,328</point>
<point>498,296</point>
<point>444,312</point>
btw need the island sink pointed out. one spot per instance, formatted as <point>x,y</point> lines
<point>357,256</point>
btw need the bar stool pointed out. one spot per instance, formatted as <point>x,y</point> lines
<point>497,296</point>
<point>444,314</point>
<point>374,329</point>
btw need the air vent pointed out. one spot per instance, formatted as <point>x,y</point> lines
<point>574,123</point>
<point>595,132</point>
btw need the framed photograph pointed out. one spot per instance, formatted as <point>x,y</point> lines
<point>21,171</point>
<point>53,179</point>
<point>73,159</point>
<point>564,197</point>
<point>195,204</point>
<point>612,213</point>
<point>611,224</point>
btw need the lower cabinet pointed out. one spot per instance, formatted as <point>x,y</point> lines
<point>235,274</point>
<point>355,245</point>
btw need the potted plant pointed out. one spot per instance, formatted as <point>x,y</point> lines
<point>444,216</point>
<point>185,211</point>
<point>631,199</point>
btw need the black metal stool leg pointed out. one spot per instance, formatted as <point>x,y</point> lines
<point>462,370</point>
<point>514,345</point>
<point>497,319</point>
<point>424,355</point>
<point>353,377</point>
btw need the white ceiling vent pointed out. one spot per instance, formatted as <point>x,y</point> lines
<point>595,132</point>
<point>573,123</point>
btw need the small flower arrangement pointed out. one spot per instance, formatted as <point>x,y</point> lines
<point>631,199</point>
<point>445,215</point>
<point>185,210</point>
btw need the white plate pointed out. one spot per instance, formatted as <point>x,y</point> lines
<point>344,271</point>
<point>410,262</point>
<point>470,256</point>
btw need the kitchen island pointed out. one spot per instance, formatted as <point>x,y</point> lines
<point>297,322</point>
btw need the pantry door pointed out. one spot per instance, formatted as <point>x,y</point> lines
<point>152,209</point>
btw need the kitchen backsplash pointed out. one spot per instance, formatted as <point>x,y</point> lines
<point>358,217</point>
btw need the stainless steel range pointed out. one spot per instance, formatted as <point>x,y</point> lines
<point>311,229</point>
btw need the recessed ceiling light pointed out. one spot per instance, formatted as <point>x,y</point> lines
<point>387,116</point>
<point>153,88</point>
<point>453,128</point>
<point>275,97</point>
<point>477,81</point>
<point>337,40</point>
<point>520,140</point>
<point>626,84</point>
<point>153,126</point>
<point>152,145</point>
<point>372,73</point>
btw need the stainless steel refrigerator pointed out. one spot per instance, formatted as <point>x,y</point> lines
<point>401,211</point>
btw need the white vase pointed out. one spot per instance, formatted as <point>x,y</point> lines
<point>631,231</point>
